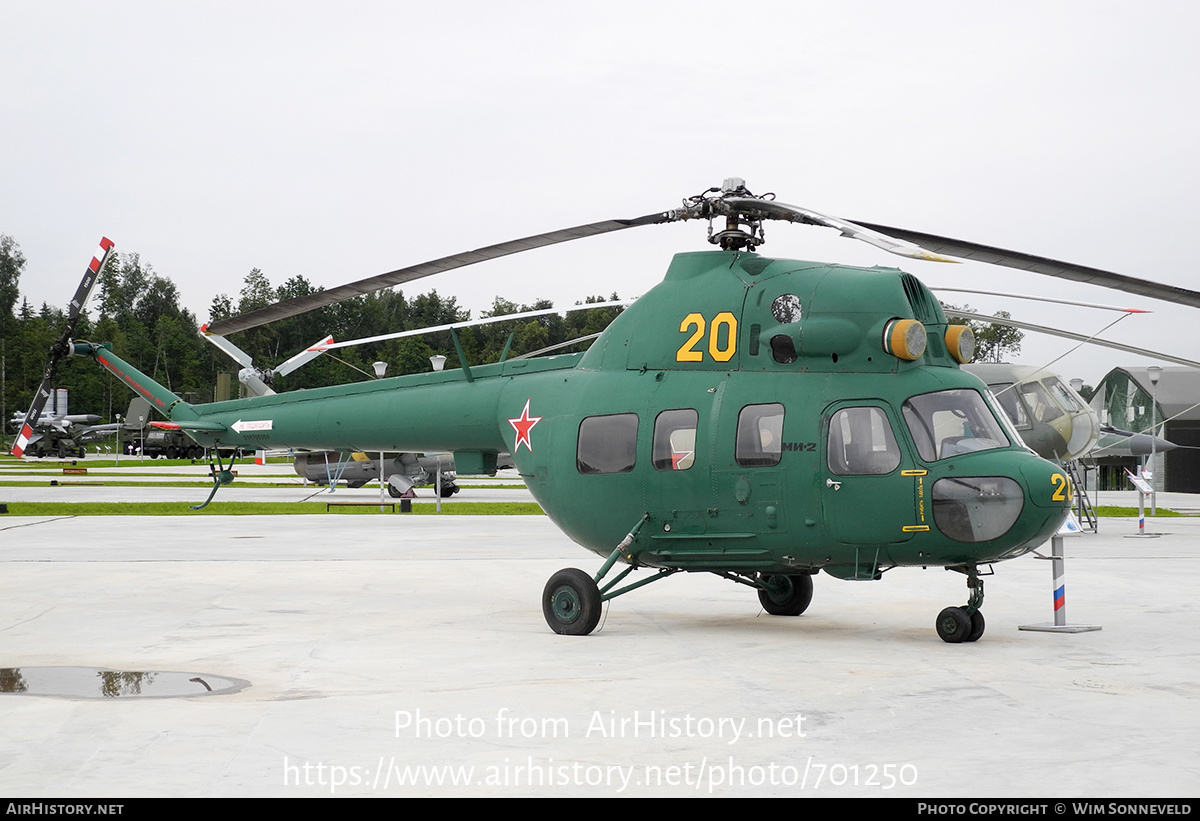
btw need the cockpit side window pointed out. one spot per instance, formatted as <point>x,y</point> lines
<point>948,423</point>
<point>861,442</point>
<point>1006,395</point>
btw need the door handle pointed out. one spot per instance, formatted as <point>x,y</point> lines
<point>833,484</point>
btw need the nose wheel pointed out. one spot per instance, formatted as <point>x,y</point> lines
<point>959,624</point>
<point>955,625</point>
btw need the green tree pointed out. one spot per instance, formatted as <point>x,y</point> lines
<point>993,342</point>
<point>12,264</point>
<point>221,308</point>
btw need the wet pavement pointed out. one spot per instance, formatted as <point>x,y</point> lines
<point>390,655</point>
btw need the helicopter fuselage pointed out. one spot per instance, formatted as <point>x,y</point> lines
<point>745,415</point>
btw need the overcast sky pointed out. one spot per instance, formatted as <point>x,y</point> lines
<point>339,141</point>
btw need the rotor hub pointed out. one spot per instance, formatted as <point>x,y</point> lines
<point>743,230</point>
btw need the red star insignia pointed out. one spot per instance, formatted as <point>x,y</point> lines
<point>677,457</point>
<point>523,424</point>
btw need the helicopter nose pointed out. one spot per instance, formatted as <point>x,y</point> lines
<point>1047,485</point>
<point>1047,501</point>
<point>1022,508</point>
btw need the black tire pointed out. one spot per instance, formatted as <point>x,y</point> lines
<point>571,603</point>
<point>395,494</point>
<point>449,490</point>
<point>62,451</point>
<point>953,625</point>
<point>793,598</point>
<point>977,626</point>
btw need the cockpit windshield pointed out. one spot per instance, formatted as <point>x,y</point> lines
<point>947,423</point>
<point>1064,396</point>
<point>1043,408</point>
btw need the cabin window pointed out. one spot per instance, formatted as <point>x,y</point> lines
<point>760,435</point>
<point>675,439</point>
<point>607,444</point>
<point>861,443</point>
<point>947,423</point>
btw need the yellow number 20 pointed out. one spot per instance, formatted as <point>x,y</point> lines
<point>687,351</point>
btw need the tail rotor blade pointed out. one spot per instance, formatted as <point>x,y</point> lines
<point>60,348</point>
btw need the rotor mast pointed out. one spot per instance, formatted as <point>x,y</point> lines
<point>742,231</point>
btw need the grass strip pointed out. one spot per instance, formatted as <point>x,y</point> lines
<point>265,509</point>
<point>1127,512</point>
<point>119,481</point>
<point>128,461</point>
<point>252,483</point>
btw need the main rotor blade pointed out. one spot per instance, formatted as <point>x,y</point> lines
<point>1073,302</point>
<point>770,209</point>
<point>60,348</point>
<point>1042,265</point>
<point>1028,326</point>
<point>292,307</point>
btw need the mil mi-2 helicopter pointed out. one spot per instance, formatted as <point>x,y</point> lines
<point>1052,418</point>
<point>759,419</point>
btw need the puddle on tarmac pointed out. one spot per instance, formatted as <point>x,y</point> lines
<point>90,682</point>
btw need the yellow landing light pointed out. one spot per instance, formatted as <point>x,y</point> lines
<point>960,341</point>
<point>904,338</point>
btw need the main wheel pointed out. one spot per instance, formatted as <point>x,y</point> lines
<point>395,494</point>
<point>571,603</point>
<point>953,625</point>
<point>449,490</point>
<point>791,596</point>
<point>977,626</point>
